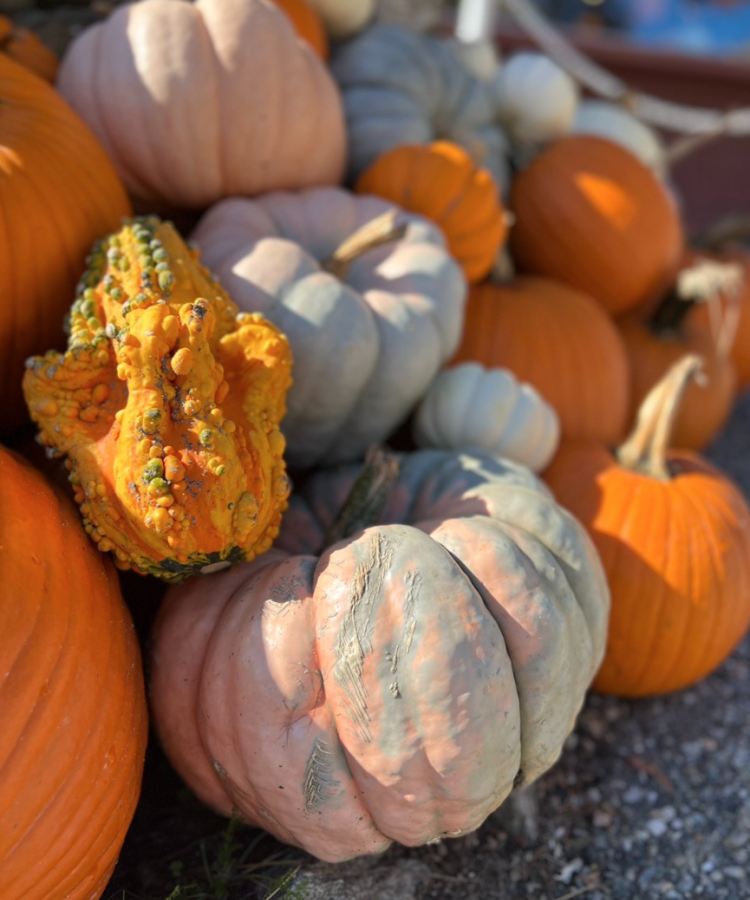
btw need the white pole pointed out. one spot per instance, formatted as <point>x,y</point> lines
<point>474,20</point>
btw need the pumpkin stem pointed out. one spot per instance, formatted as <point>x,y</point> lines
<point>704,281</point>
<point>368,497</point>
<point>645,450</point>
<point>381,230</point>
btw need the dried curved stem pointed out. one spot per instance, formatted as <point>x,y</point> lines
<point>368,497</point>
<point>645,450</point>
<point>381,230</point>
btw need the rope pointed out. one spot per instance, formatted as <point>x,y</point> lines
<point>675,117</point>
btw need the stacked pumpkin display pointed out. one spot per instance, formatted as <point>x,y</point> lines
<point>402,639</point>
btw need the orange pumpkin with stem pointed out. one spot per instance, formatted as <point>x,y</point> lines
<point>441,182</point>
<point>74,720</point>
<point>592,215</point>
<point>559,340</point>
<point>656,341</point>
<point>25,47</point>
<point>673,534</point>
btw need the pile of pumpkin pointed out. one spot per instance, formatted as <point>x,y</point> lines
<point>385,652</point>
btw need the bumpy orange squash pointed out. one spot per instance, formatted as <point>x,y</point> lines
<point>443,183</point>
<point>58,194</point>
<point>167,404</point>
<point>360,685</point>
<point>674,538</point>
<point>72,701</point>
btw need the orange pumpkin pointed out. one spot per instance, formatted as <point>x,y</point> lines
<point>74,721</point>
<point>307,23</point>
<point>657,341</point>
<point>673,534</point>
<point>58,193</point>
<point>560,341</point>
<point>592,215</point>
<point>441,182</point>
<point>25,47</point>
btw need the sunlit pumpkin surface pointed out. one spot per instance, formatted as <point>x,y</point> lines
<point>167,404</point>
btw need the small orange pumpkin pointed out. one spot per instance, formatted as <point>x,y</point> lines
<point>74,719</point>
<point>592,215</point>
<point>673,534</point>
<point>441,182</point>
<point>657,341</point>
<point>307,23</point>
<point>25,47</point>
<point>560,341</point>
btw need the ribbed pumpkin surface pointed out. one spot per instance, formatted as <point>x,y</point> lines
<point>560,341</point>
<point>58,194</point>
<point>72,702</point>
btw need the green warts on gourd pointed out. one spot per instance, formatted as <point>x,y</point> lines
<point>167,405</point>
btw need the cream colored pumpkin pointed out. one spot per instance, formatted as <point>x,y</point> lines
<point>535,99</point>
<point>469,405</point>
<point>199,101</point>
<point>613,122</point>
<point>344,18</point>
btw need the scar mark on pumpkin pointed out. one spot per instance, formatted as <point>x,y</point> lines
<point>320,784</point>
<point>412,582</point>
<point>354,640</point>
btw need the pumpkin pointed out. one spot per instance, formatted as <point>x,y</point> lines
<point>674,539</point>
<point>394,681</point>
<point>403,87</point>
<point>560,341</point>
<point>590,214</point>
<point>656,341</point>
<point>58,193</point>
<point>25,47</point>
<point>74,717</point>
<point>442,182</point>
<point>613,122</point>
<point>167,405</point>
<point>199,101</point>
<point>535,99</point>
<point>369,325</point>
<point>711,316</point>
<point>307,23</point>
<point>469,405</point>
<point>344,18</point>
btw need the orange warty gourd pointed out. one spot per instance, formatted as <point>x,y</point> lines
<point>25,47</point>
<point>560,341</point>
<point>74,720</point>
<point>307,23</point>
<point>673,534</point>
<point>167,404</point>
<point>592,215</point>
<point>656,341</point>
<point>441,182</point>
<point>58,193</point>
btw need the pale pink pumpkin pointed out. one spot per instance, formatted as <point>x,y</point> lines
<point>396,685</point>
<point>199,101</point>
